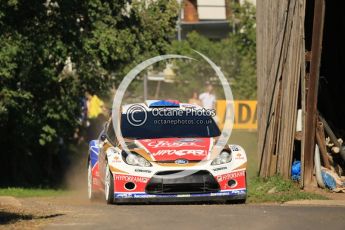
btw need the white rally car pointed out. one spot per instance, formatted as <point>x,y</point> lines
<point>169,158</point>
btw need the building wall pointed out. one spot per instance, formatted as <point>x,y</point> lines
<point>212,9</point>
<point>207,17</point>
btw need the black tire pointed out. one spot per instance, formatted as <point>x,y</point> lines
<point>90,193</point>
<point>109,186</point>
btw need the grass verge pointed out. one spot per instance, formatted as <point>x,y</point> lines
<point>276,189</point>
<point>30,192</point>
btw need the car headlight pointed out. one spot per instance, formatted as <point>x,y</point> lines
<point>222,158</point>
<point>135,160</point>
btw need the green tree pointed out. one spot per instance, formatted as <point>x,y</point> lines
<point>40,93</point>
<point>244,40</point>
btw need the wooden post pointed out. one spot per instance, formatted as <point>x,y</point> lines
<point>311,100</point>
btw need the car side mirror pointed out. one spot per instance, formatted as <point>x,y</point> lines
<point>103,137</point>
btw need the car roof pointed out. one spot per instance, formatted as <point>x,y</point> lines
<point>131,107</point>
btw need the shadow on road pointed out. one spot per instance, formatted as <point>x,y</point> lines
<point>7,217</point>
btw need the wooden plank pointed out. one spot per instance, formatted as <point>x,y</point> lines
<point>291,76</point>
<point>289,94</point>
<point>280,42</point>
<point>269,73</point>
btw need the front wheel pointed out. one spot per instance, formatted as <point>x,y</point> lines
<point>90,192</point>
<point>109,185</point>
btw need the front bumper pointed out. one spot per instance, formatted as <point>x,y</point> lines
<point>200,186</point>
<point>233,195</point>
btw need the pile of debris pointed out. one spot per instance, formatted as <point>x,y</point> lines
<point>329,158</point>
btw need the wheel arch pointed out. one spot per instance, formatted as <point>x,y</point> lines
<point>93,153</point>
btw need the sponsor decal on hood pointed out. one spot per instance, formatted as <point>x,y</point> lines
<point>171,149</point>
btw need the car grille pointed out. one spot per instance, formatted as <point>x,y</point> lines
<point>195,182</point>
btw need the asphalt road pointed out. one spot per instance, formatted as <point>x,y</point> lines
<point>210,216</point>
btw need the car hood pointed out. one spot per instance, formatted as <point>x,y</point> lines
<point>171,149</point>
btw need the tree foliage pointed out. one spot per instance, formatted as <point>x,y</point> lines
<point>40,90</point>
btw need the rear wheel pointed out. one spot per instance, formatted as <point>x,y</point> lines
<point>109,186</point>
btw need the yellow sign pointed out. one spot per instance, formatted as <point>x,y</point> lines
<point>245,114</point>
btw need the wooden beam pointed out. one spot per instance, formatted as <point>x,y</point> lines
<point>311,100</point>
<point>321,141</point>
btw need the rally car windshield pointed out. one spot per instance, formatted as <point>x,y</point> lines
<point>148,126</point>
